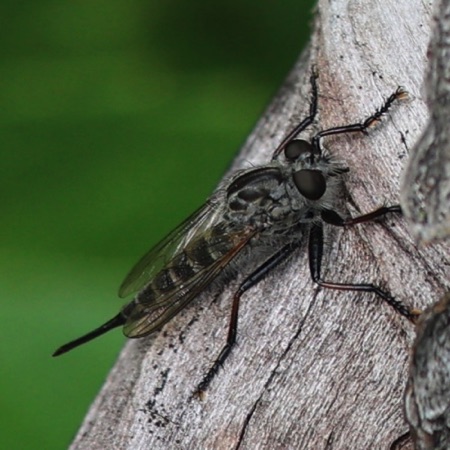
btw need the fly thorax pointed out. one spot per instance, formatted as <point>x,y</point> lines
<point>258,198</point>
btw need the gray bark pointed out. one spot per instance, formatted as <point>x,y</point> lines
<point>313,368</point>
<point>427,399</point>
<point>426,185</point>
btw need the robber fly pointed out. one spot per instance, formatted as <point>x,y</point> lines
<point>257,218</point>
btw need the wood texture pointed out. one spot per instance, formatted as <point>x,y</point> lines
<point>426,185</point>
<point>313,368</point>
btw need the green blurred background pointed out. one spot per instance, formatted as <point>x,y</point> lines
<point>117,119</point>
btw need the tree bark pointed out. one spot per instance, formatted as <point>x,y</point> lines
<point>313,368</point>
<point>426,185</point>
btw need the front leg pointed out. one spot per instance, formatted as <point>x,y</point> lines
<point>333,218</point>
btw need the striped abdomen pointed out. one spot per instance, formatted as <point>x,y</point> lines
<point>197,256</point>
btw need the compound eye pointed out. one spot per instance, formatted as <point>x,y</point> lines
<point>310,183</point>
<point>296,148</point>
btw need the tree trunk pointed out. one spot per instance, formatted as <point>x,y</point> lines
<point>426,185</point>
<point>313,368</point>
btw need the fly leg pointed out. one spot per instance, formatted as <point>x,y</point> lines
<point>315,252</point>
<point>362,127</point>
<point>333,218</point>
<point>306,122</point>
<point>249,282</point>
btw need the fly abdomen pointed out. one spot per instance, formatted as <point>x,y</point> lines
<point>182,267</point>
<point>163,281</point>
<point>212,246</point>
<point>195,257</point>
<point>147,295</point>
<point>199,252</point>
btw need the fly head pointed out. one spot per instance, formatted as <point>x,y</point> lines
<point>310,182</point>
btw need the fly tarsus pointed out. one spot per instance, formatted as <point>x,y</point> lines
<point>212,372</point>
<point>411,314</point>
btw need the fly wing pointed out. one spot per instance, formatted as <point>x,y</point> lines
<point>159,256</point>
<point>146,315</point>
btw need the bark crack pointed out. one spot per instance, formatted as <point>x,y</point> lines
<point>275,370</point>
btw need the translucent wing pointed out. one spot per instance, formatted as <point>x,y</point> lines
<point>152,262</point>
<point>148,315</point>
